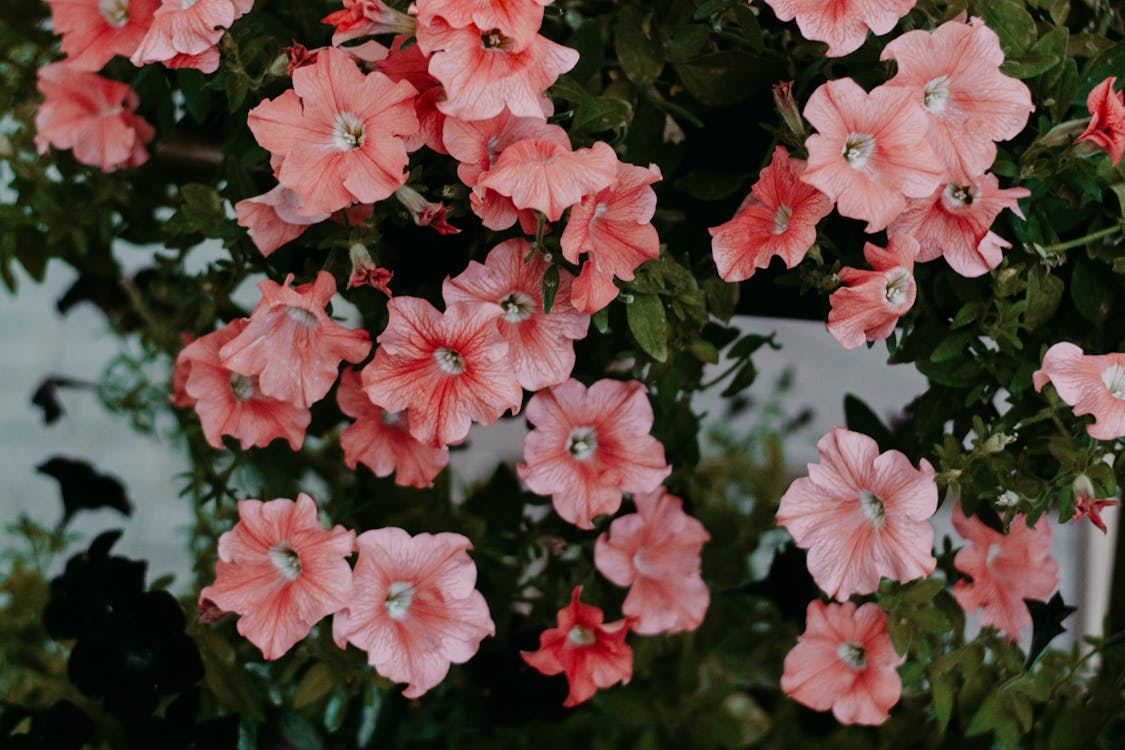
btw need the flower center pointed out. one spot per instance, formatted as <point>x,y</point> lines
<point>241,387</point>
<point>393,419</point>
<point>115,12</point>
<point>451,362</point>
<point>286,560</point>
<point>936,94</point>
<point>853,654</point>
<point>781,219</point>
<point>898,286</point>
<point>185,4</point>
<point>517,306</point>
<point>1114,379</point>
<point>301,317</point>
<point>600,209</point>
<point>348,133</point>
<point>962,195</point>
<point>858,149</point>
<point>494,39</point>
<point>582,443</point>
<point>991,554</point>
<point>581,636</point>
<point>872,508</point>
<point>399,596</point>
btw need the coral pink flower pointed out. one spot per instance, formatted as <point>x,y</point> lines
<point>842,24</point>
<point>779,218</point>
<point>589,446</point>
<point>382,441</point>
<point>365,18</point>
<point>1005,569</point>
<point>274,218</point>
<point>448,370</point>
<point>517,19</point>
<point>655,552</point>
<point>91,115</point>
<point>414,609</point>
<point>1107,120</point>
<point>232,404</point>
<point>870,152</point>
<point>955,222</point>
<point>954,74</point>
<point>282,571</point>
<point>412,66</point>
<point>540,345</point>
<point>187,27</point>
<point>425,213</point>
<point>861,515</point>
<point>291,344</point>
<point>869,306</point>
<point>366,273</point>
<point>1090,384</point>
<point>591,654</point>
<point>93,31</point>
<point>1088,507</point>
<point>179,397</point>
<point>206,61</point>
<point>339,133</point>
<point>593,289</point>
<point>844,661</point>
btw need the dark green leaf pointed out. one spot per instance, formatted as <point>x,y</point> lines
<point>550,287</point>
<point>639,55</point>
<point>649,325</point>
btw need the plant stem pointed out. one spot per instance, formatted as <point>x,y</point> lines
<point>1101,233</point>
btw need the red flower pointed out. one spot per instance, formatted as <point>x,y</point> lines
<point>1107,120</point>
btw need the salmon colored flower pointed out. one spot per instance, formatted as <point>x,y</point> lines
<point>93,31</point>
<point>517,19</point>
<point>845,661</point>
<point>861,515</point>
<point>92,115</point>
<point>232,404</point>
<point>187,27</point>
<point>448,370</point>
<point>382,442</point>
<point>868,307</point>
<point>656,553</point>
<point>339,132</point>
<point>425,213</point>
<point>1003,570</point>
<point>1091,508</point>
<point>274,218</point>
<point>592,654</point>
<point>589,446</point>
<point>412,66</point>
<point>361,18</point>
<point>414,608</point>
<point>842,24</point>
<point>955,222</point>
<point>1107,120</point>
<point>281,571</point>
<point>1090,384</point>
<point>206,61</point>
<point>779,219</point>
<point>593,289</point>
<point>540,345</point>
<point>292,345</point>
<point>869,153</point>
<point>180,369</point>
<point>366,273</point>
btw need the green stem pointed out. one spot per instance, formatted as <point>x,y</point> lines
<point>1100,234</point>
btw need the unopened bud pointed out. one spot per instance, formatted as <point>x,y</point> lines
<point>1007,499</point>
<point>787,107</point>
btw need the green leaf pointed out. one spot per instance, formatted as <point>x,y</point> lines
<point>1044,293</point>
<point>742,380</point>
<point>649,325</point>
<point>859,418</point>
<point>1109,62</point>
<point>1091,291</point>
<point>639,55</point>
<point>601,320</point>
<point>317,681</point>
<point>1011,22</point>
<point>550,287</point>
<point>710,185</point>
<point>942,684</point>
<point>724,78</point>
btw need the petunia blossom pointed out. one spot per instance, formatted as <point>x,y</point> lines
<point>540,345</point>
<point>360,18</point>
<point>779,218</point>
<point>593,289</point>
<point>93,31</point>
<point>1107,120</point>
<point>281,571</point>
<point>591,653</point>
<point>868,306</point>
<point>414,608</point>
<point>656,553</point>
<point>291,344</point>
<point>1003,570</point>
<point>589,445</point>
<point>187,27</point>
<point>274,218</point>
<point>1090,384</point>
<point>518,20</point>
<point>862,515</point>
<point>410,64</point>
<point>845,661</point>
<point>842,24</point>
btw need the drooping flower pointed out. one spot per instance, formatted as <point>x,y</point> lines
<point>861,515</point>
<point>93,31</point>
<point>281,571</point>
<point>187,27</point>
<point>425,213</point>
<point>382,441</point>
<point>366,273</point>
<point>1004,569</point>
<point>1090,384</point>
<point>844,661</point>
<point>1091,508</point>
<point>519,20</point>
<point>414,609</point>
<point>841,24</point>
<point>589,445</point>
<point>360,18</point>
<point>291,344</point>
<point>870,152</point>
<point>448,370</point>
<point>955,222</point>
<point>274,218</point>
<point>592,654</point>
<point>780,219</point>
<point>540,345</point>
<point>92,115</point>
<point>656,553</point>
<point>868,307</point>
<point>339,132</point>
<point>1107,120</point>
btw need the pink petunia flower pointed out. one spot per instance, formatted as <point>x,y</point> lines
<point>589,446</point>
<point>360,18</point>
<point>187,27</point>
<point>1004,570</point>
<point>206,61</point>
<point>1091,508</point>
<point>870,152</point>
<point>656,553</point>
<point>365,272</point>
<point>448,370</point>
<point>592,654</point>
<point>1107,120</point>
<point>861,515</point>
<point>425,213</point>
<point>517,19</point>
<point>842,24</point>
<point>844,661</point>
<point>92,115</point>
<point>291,344</point>
<point>780,219</point>
<point>382,441</point>
<point>868,307</point>
<point>593,289</point>
<point>274,218</point>
<point>414,609</point>
<point>339,132</point>
<point>412,66</point>
<point>1090,384</point>
<point>540,345</point>
<point>955,222</point>
<point>93,31</point>
<point>281,571</point>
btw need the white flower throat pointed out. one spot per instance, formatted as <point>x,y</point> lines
<point>348,133</point>
<point>858,149</point>
<point>116,12</point>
